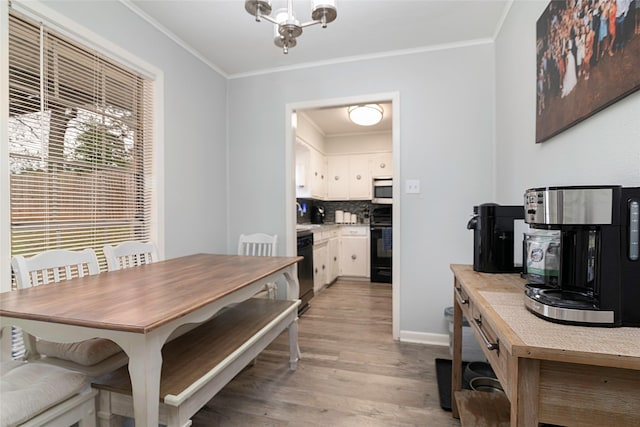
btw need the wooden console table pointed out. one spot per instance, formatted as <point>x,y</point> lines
<point>551,373</point>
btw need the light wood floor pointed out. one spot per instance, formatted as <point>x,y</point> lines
<point>352,372</point>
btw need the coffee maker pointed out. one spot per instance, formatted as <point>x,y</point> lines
<point>598,277</point>
<point>494,244</point>
<point>317,215</point>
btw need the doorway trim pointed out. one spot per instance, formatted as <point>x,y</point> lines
<point>290,209</point>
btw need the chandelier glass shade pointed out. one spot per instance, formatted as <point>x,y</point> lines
<point>365,115</point>
<point>286,27</point>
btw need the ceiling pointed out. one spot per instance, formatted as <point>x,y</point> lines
<point>224,36</point>
<point>334,121</point>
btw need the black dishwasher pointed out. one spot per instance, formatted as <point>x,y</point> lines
<point>305,269</point>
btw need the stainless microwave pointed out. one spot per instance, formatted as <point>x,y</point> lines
<point>382,191</point>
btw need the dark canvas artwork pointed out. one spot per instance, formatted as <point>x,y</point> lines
<point>588,57</point>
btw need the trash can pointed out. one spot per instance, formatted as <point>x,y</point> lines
<point>471,350</point>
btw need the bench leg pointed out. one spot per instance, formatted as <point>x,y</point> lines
<point>294,349</point>
<point>105,417</point>
<point>178,416</point>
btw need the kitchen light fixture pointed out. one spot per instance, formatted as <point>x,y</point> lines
<point>365,115</point>
<point>286,27</point>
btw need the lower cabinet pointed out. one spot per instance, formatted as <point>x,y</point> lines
<point>319,265</point>
<point>333,259</point>
<point>354,251</point>
<point>340,251</point>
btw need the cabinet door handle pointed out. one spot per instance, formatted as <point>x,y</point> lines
<point>353,256</point>
<point>490,345</point>
<point>358,176</point>
<point>382,165</point>
<point>337,178</point>
<point>462,300</point>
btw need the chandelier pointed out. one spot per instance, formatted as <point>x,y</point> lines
<point>286,27</point>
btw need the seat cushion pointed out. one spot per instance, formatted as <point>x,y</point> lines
<point>28,389</point>
<point>86,353</point>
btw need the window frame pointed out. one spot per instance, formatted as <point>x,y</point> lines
<point>81,35</point>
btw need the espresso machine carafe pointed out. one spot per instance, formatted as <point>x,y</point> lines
<point>598,280</point>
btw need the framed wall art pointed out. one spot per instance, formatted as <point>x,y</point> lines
<point>588,57</point>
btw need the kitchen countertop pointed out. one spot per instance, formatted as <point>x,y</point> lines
<point>324,227</point>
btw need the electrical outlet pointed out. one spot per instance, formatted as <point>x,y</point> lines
<point>412,186</point>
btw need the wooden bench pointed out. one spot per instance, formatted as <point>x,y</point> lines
<point>201,362</point>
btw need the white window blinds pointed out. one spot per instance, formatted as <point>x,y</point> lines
<point>80,145</point>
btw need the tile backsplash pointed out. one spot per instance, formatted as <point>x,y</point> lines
<point>362,209</point>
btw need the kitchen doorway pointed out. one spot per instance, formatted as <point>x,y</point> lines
<point>295,112</point>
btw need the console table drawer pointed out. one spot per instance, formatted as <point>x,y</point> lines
<point>485,334</point>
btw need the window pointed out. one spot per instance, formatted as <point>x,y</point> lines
<point>80,144</point>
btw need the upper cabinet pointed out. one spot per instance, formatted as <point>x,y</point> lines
<point>381,165</point>
<point>359,177</point>
<point>349,177</point>
<point>338,173</point>
<point>311,172</point>
<point>338,176</point>
<point>318,175</point>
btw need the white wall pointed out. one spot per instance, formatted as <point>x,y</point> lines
<point>310,134</point>
<point>194,125</point>
<point>604,149</point>
<point>446,139</point>
<point>375,142</point>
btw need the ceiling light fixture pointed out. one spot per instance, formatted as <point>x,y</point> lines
<point>366,115</point>
<point>286,27</point>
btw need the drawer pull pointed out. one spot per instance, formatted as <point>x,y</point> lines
<point>462,300</point>
<point>490,345</point>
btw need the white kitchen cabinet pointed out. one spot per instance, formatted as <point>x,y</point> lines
<point>354,251</point>
<point>349,177</point>
<point>359,177</point>
<point>333,257</point>
<point>319,265</point>
<point>318,171</point>
<point>338,178</point>
<point>303,168</point>
<point>325,256</point>
<point>382,165</point>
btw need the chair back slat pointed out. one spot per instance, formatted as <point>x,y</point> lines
<point>130,254</point>
<point>258,244</point>
<point>53,266</point>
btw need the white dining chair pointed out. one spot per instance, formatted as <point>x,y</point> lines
<point>41,395</point>
<point>259,244</point>
<point>130,254</point>
<point>92,357</point>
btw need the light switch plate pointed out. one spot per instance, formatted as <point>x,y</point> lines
<point>412,186</point>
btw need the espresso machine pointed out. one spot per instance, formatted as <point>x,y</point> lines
<point>597,263</point>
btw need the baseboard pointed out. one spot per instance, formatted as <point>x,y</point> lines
<point>425,338</point>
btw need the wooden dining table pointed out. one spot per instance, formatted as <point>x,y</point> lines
<point>140,307</point>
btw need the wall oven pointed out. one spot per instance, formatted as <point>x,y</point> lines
<point>382,191</point>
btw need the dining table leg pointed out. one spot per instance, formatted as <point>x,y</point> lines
<point>145,363</point>
<point>293,287</point>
